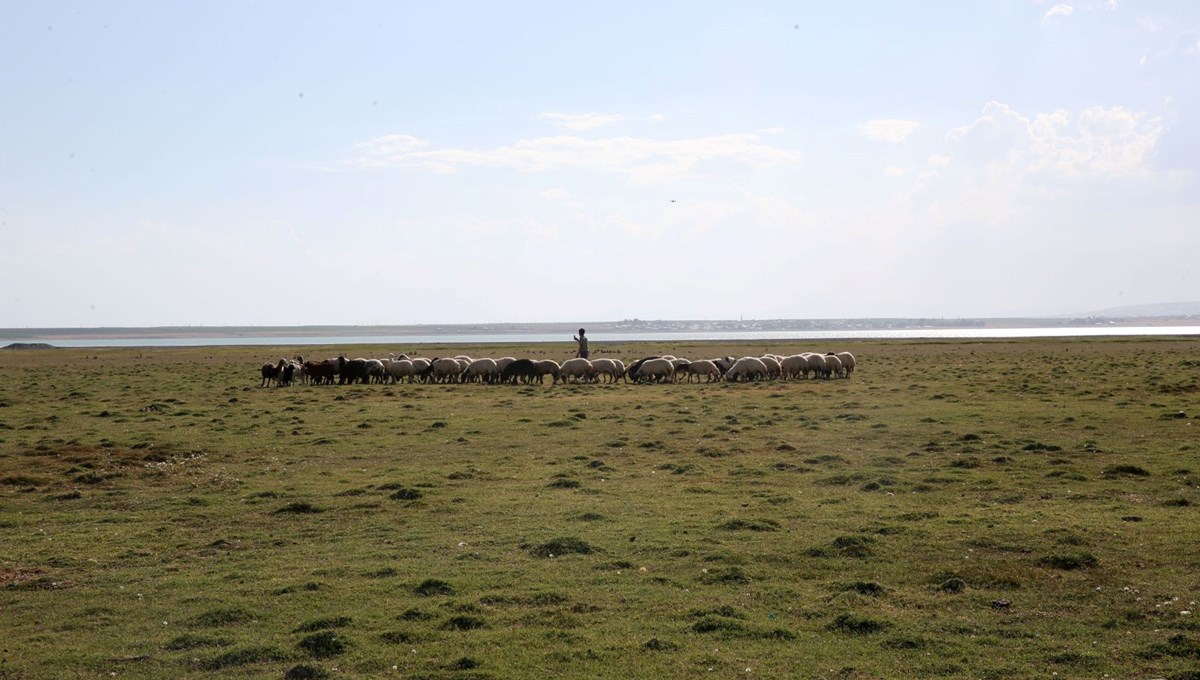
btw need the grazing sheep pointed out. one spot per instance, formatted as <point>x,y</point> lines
<point>620,371</point>
<point>376,372</point>
<point>547,367</point>
<point>399,369</point>
<point>793,367</point>
<point>723,364</point>
<point>504,361</point>
<point>848,363</point>
<point>658,370</point>
<point>481,370</point>
<point>774,370</point>
<point>631,372</point>
<point>286,374</point>
<point>421,368</point>
<point>271,372</point>
<point>522,369</point>
<point>613,368</point>
<point>298,373</point>
<point>816,364</point>
<point>577,368</point>
<point>747,369</point>
<point>700,368</point>
<point>833,366</point>
<point>351,371</point>
<point>320,372</point>
<point>445,370</point>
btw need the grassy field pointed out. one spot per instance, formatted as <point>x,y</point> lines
<point>992,509</point>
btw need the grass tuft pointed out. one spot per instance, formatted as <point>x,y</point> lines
<point>431,587</point>
<point>303,672</point>
<point>299,508</point>
<point>322,624</point>
<point>243,657</point>
<point>857,625</point>
<point>322,645</point>
<point>1069,561</point>
<point>464,622</point>
<point>749,525</point>
<point>1130,470</point>
<point>868,588</point>
<point>657,645</point>
<point>561,546</point>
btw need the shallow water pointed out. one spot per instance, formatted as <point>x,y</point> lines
<point>532,338</point>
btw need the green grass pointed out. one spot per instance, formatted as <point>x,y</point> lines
<point>957,509</point>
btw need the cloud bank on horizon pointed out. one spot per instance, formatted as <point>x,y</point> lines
<point>300,164</point>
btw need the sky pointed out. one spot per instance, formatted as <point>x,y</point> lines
<point>294,163</point>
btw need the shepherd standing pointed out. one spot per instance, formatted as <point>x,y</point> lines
<point>583,344</point>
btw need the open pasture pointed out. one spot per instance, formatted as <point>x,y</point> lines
<point>990,509</point>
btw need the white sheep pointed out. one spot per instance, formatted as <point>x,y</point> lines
<point>699,368</point>
<point>547,367</point>
<point>774,370</point>
<point>481,370</point>
<point>816,364</point>
<point>833,366</point>
<point>504,361</point>
<point>577,368</point>
<point>421,368</point>
<point>747,368</point>
<point>848,362</point>
<point>612,368</point>
<point>794,366</point>
<point>399,369</point>
<point>659,370</point>
<point>445,370</point>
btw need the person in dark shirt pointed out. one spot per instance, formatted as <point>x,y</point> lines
<point>583,344</point>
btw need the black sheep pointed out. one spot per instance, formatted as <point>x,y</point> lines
<point>524,369</point>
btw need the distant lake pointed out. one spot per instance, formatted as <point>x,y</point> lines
<point>401,341</point>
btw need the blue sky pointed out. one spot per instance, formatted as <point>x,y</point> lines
<point>299,163</point>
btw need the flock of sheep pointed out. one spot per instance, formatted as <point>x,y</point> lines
<point>464,369</point>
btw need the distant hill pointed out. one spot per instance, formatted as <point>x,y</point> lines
<point>29,345</point>
<point>1160,309</point>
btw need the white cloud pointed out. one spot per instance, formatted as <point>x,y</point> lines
<point>1185,46</point>
<point>890,130</point>
<point>1057,11</point>
<point>1151,24</point>
<point>577,122</point>
<point>638,159</point>
<point>1099,142</point>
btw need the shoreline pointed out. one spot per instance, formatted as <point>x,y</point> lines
<point>470,331</point>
